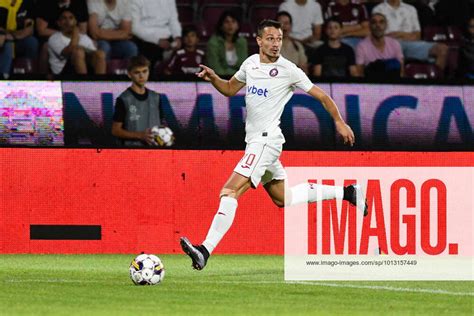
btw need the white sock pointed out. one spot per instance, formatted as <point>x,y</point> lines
<point>221,223</point>
<point>311,192</point>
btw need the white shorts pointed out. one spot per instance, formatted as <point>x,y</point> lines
<point>261,163</point>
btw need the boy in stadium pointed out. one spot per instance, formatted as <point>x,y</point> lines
<point>187,59</point>
<point>270,80</point>
<point>137,109</point>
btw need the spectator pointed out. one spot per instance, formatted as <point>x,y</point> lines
<point>137,109</point>
<point>16,24</point>
<point>379,55</point>
<point>156,28</point>
<point>188,59</point>
<point>291,49</point>
<point>354,19</point>
<point>466,52</point>
<point>226,50</point>
<point>334,58</point>
<point>46,22</point>
<point>307,27</point>
<point>404,26</point>
<point>70,50</point>
<point>110,23</point>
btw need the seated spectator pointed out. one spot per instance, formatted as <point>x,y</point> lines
<point>291,49</point>
<point>188,59</point>
<point>16,24</point>
<point>334,58</point>
<point>404,26</point>
<point>466,52</point>
<point>226,50</point>
<point>47,15</point>
<point>379,56</point>
<point>110,24</point>
<point>70,51</point>
<point>354,19</point>
<point>307,27</point>
<point>156,28</point>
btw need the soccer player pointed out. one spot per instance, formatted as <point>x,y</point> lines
<point>137,109</point>
<point>270,80</point>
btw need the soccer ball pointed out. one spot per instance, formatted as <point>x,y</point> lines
<point>163,136</point>
<point>147,270</point>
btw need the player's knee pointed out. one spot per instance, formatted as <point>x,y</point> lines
<point>228,192</point>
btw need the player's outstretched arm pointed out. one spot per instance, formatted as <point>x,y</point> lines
<point>226,87</point>
<point>342,128</point>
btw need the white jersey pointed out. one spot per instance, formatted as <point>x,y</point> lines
<point>269,87</point>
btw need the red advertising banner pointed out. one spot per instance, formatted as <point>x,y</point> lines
<point>144,200</point>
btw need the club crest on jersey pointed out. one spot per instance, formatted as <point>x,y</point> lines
<point>274,72</point>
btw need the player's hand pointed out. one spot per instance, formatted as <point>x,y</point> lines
<point>346,132</point>
<point>206,73</point>
<point>147,137</point>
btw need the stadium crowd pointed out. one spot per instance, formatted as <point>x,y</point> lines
<point>325,38</point>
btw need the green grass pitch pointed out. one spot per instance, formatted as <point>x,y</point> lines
<point>230,285</point>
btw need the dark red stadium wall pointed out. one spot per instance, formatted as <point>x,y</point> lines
<point>146,199</point>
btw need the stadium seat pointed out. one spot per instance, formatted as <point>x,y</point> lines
<point>247,30</point>
<point>210,13</point>
<point>253,47</point>
<point>435,34</point>
<point>454,34</point>
<point>186,14</point>
<point>324,4</point>
<point>452,62</point>
<point>22,66</point>
<point>159,69</point>
<point>258,13</point>
<point>422,71</point>
<point>203,32</point>
<point>117,67</point>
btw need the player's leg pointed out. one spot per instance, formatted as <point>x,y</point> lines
<point>274,184</point>
<point>235,186</point>
<point>248,172</point>
<point>276,191</point>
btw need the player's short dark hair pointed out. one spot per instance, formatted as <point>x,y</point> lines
<point>284,13</point>
<point>267,23</point>
<point>333,20</point>
<point>137,61</point>
<point>189,29</point>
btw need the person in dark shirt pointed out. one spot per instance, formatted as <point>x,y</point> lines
<point>48,12</point>
<point>334,58</point>
<point>188,59</point>
<point>137,109</point>
<point>354,19</point>
<point>16,25</point>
